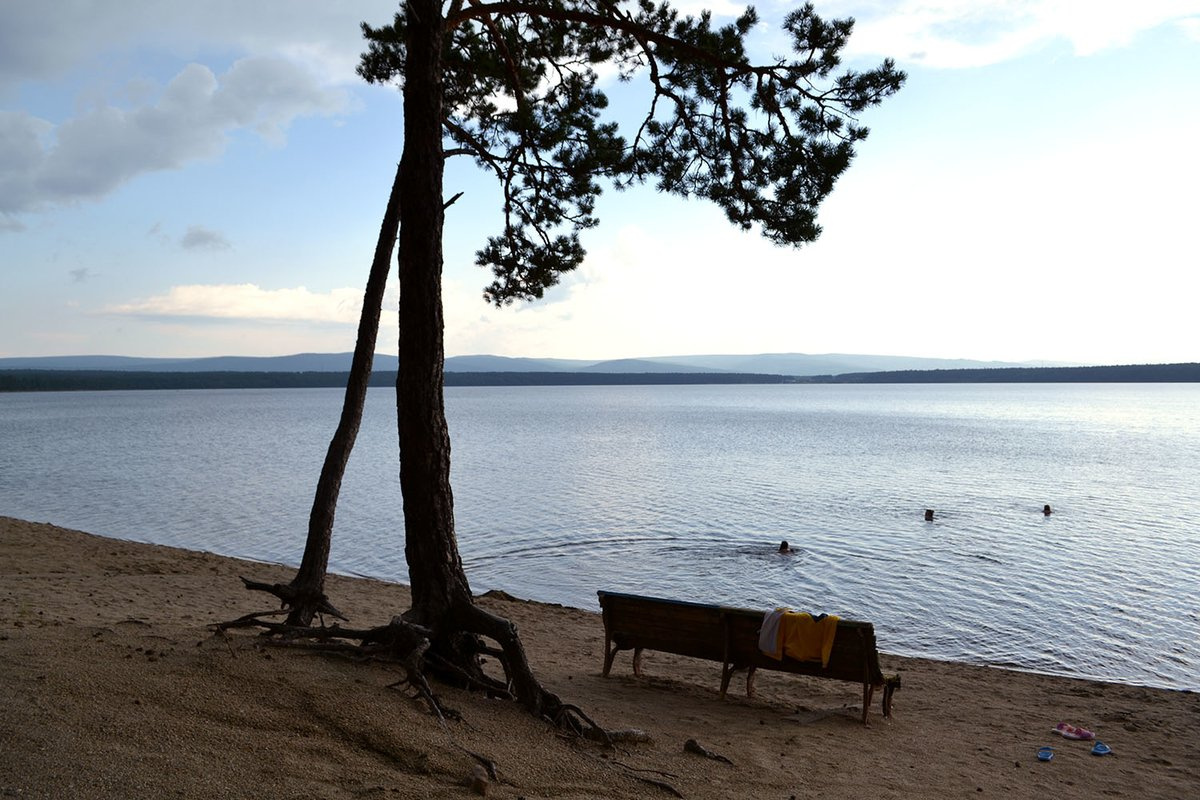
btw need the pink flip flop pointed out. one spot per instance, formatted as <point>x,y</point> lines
<point>1071,732</point>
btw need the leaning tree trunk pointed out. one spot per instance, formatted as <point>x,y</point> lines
<point>307,589</point>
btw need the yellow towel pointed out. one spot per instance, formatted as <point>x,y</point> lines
<point>806,639</point>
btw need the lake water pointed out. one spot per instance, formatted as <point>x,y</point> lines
<point>685,492</point>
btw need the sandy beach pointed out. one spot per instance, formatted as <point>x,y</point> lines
<point>116,686</point>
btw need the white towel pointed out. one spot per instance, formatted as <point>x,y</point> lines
<point>768,634</point>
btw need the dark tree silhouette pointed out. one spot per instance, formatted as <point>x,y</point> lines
<point>514,86</point>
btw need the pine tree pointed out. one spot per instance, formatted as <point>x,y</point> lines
<point>515,86</point>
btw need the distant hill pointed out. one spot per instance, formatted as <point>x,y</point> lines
<point>828,363</point>
<point>649,365</point>
<point>795,364</point>
<point>301,362</point>
<point>510,364</point>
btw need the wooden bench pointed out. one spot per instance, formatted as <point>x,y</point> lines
<point>730,636</point>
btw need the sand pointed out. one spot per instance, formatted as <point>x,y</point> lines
<point>115,686</point>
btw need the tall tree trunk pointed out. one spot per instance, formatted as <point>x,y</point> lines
<point>308,587</point>
<point>441,596</point>
<point>439,584</point>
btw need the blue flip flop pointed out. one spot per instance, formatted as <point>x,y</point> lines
<point>1101,749</point>
<point>1045,753</point>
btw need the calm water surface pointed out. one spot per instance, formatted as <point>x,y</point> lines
<point>686,491</point>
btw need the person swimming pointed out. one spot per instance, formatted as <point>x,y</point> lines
<point>929,515</point>
<point>784,547</point>
<point>1046,510</point>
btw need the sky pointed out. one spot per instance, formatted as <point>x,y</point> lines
<point>182,179</point>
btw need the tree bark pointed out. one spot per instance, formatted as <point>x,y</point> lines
<point>438,581</point>
<point>308,587</point>
<point>441,596</point>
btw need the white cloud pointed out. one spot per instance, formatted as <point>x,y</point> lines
<point>266,94</point>
<point>21,150</point>
<point>247,301</point>
<point>973,33</point>
<point>91,155</point>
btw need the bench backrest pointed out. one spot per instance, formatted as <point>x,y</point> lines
<point>690,629</point>
<point>730,635</point>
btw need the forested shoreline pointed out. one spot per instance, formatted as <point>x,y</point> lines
<point>1133,373</point>
<point>40,380</point>
<point>111,380</point>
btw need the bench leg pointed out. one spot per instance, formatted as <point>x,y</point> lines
<point>868,693</point>
<point>750,673</point>
<point>637,661</point>
<point>727,671</point>
<point>610,653</point>
<point>890,685</point>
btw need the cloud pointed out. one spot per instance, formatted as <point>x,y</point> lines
<point>682,283</point>
<point>89,156</point>
<point>43,41</point>
<point>974,33</point>
<point>158,234</point>
<point>247,301</point>
<point>720,8</point>
<point>201,238</point>
<point>81,275</point>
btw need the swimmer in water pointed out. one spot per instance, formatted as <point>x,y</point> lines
<point>929,515</point>
<point>784,547</point>
<point>1046,510</point>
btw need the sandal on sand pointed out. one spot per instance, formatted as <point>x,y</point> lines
<point>1101,749</point>
<point>1071,732</point>
<point>1045,753</point>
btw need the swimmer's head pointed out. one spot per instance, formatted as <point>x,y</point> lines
<point>783,547</point>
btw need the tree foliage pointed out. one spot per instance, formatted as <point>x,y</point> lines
<point>764,141</point>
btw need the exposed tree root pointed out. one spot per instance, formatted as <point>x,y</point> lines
<point>638,774</point>
<point>413,647</point>
<point>294,598</point>
<point>525,687</point>
<point>693,746</point>
<point>666,787</point>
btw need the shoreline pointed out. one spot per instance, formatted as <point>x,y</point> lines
<point>883,644</point>
<point>117,688</point>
